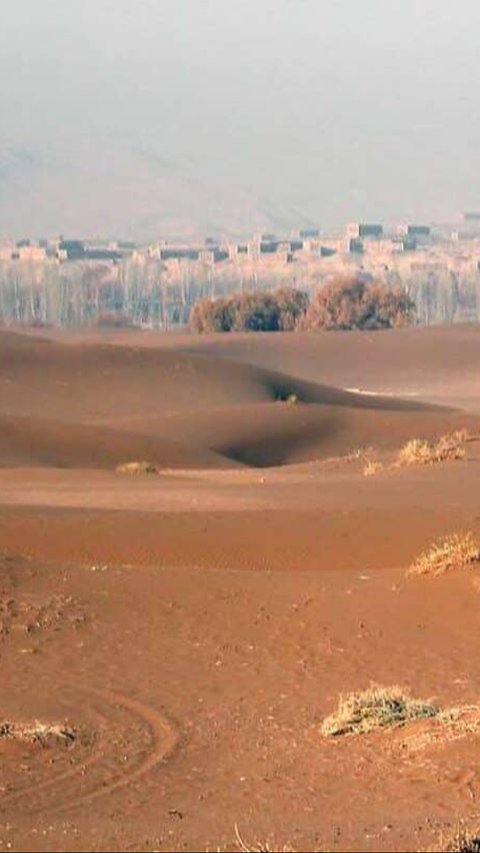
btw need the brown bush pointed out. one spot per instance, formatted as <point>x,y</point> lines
<point>350,302</point>
<point>212,315</point>
<point>250,311</point>
<point>292,305</point>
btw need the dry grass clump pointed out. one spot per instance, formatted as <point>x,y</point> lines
<point>449,725</point>
<point>259,847</point>
<point>457,551</point>
<point>371,468</point>
<point>38,733</point>
<point>143,467</point>
<point>375,708</point>
<point>462,841</point>
<point>288,399</point>
<point>421,452</point>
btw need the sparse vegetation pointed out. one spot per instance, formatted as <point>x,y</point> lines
<point>38,733</point>
<point>449,725</point>
<point>289,399</point>
<point>375,708</point>
<point>461,841</point>
<point>142,467</point>
<point>456,551</point>
<point>371,468</point>
<point>259,847</point>
<point>422,452</point>
<point>351,302</point>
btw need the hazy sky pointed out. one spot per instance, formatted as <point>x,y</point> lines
<point>342,108</point>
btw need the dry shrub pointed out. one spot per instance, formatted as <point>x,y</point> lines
<point>38,733</point>
<point>461,841</point>
<point>457,551</point>
<point>416,452</point>
<point>250,311</point>
<point>143,467</point>
<point>449,725</point>
<point>422,452</point>
<point>260,847</point>
<point>371,468</point>
<point>290,399</point>
<point>351,302</point>
<point>360,453</point>
<point>375,708</point>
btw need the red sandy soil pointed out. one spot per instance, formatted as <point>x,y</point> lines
<point>192,628</point>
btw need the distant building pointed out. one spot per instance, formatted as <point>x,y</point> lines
<point>262,237</point>
<point>409,244</point>
<point>220,254</point>
<point>71,250</point>
<point>296,245</point>
<point>23,251</point>
<point>180,253</point>
<point>309,233</point>
<point>406,230</point>
<point>34,254</point>
<point>359,230</point>
<point>268,247</point>
<point>355,246</point>
<point>103,254</point>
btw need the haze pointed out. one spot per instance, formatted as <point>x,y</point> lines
<point>316,111</point>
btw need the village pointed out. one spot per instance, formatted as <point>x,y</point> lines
<point>407,246</point>
<point>157,284</point>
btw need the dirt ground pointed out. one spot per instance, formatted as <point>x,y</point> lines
<point>171,642</point>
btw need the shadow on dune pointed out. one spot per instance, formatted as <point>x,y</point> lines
<point>95,405</point>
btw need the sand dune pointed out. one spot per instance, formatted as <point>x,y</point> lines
<point>436,362</point>
<point>172,643</point>
<point>94,381</point>
<point>183,409</point>
<point>40,442</point>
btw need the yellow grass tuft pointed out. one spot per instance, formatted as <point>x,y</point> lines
<point>292,400</point>
<point>456,551</point>
<point>371,468</point>
<point>142,467</point>
<point>259,847</point>
<point>38,733</point>
<point>449,725</point>
<point>461,841</point>
<point>421,452</point>
<point>375,708</point>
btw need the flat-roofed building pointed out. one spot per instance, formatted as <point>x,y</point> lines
<point>360,230</point>
<point>409,230</point>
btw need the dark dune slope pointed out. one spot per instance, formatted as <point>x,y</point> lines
<point>94,405</point>
<point>36,442</point>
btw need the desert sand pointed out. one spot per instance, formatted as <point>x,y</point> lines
<point>171,642</point>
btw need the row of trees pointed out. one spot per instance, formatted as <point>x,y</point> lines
<point>149,294</point>
<point>343,303</point>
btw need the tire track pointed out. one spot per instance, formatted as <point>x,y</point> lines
<point>131,739</point>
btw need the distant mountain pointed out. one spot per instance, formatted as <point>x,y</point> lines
<point>122,191</point>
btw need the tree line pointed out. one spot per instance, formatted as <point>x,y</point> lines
<point>346,302</point>
<point>153,295</point>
